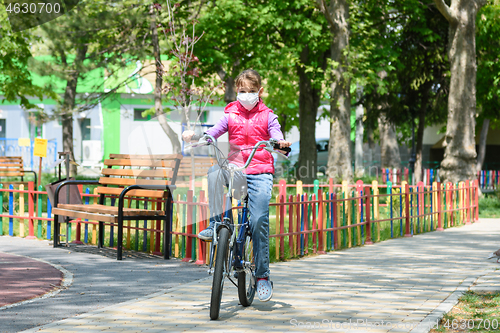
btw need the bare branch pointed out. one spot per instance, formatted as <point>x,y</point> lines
<point>445,10</point>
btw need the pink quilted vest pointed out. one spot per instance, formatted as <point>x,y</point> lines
<point>245,129</point>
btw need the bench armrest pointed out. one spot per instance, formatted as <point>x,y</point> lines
<point>34,174</point>
<point>121,199</point>
<point>68,182</point>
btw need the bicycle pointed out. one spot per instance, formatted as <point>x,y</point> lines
<point>230,253</point>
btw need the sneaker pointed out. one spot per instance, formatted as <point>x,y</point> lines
<point>207,234</point>
<point>264,289</point>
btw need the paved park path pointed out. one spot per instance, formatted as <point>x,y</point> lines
<point>399,284</point>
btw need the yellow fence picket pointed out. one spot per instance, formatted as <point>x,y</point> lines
<point>299,187</point>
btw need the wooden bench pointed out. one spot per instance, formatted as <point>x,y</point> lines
<point>130,177</point>
<point>201,166</point>
<point>12,167</point>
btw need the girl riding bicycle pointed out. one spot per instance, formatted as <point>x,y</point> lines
<point>248,121</point>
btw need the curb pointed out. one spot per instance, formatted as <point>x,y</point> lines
<point>438,313</point>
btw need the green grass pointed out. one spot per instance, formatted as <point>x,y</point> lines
<point>489,206</point>
<point>475,312</point>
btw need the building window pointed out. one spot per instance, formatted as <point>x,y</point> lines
<point>138,115</point>
<point>86,129</point>
<point>3,129</point>
<point>172,115</point>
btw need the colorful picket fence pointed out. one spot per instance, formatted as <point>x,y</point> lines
<point>489,179</point>
<point>396,176</point>
<point>304,219</point>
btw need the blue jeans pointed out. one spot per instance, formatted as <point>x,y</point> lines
<point>259,189</point>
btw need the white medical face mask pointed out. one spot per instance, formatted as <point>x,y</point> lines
<point>248,100</point>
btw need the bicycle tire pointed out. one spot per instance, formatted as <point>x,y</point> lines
<point>218,280</point>
<point>246,278</point>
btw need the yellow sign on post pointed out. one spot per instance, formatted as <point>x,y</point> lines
<point>40,147</point>
<point>23,142</point>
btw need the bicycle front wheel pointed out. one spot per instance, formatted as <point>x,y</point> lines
<point>218,280</point>
<point>246,278</point>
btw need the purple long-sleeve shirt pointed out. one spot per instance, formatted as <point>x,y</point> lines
<point>221,127</point>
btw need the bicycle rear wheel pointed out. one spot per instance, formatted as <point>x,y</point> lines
<point>218,280</point>
<point>246,278</point>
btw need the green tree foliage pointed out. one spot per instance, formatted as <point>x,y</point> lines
<point>285,42</point>
<point>15,53</point>
<point>399,57</point>
<point>95,35</point>
<point>488,55</point>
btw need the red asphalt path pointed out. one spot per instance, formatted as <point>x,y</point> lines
<point>22,278</point>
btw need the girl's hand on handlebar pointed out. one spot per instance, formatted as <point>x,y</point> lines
<point>284,144</point>
<point>187,135</point>
<point>282,147</point>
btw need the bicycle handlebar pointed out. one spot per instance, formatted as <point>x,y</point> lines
<point>271,146</point>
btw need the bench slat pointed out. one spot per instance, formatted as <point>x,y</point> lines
<point>139,162</point>
<point>187,161</point>
<point>196,166</point>
<point>196,173</point>
<point>10,158</point>
<point>131,181</point>
<point>110,210</point>
<point>83,215</point>
<point>161,173</point>
<point>146,157</point>
<point>11,174</point>
<point>10,165</point>
<point>134,193</point>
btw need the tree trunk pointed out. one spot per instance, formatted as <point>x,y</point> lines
<point>282,118</point>
<point>339,149</point>
<point>309,99</point>
<point>229,92</point>
<point>68,107</point>
<point>459,161</point>
<point>174,139</point>
<point>482,144</point>
<point>389,148</point>
<point>420,139</point>
<point>358,151</point>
